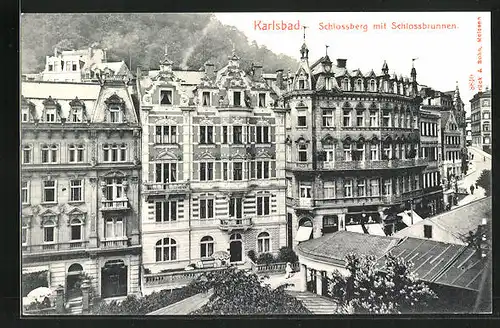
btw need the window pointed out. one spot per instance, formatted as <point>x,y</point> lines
<point>262,134</point>
<point>359,85</point>
<point>302,153</point>
<point>76,229</point>
<point>301,121</point>
<point>115,114</point>
<point>386,119</point>
<point>165,134</point>
<point>114,189</point>
<point>76,153</point>
<point>237,134</point>
<point>166,250</point>
<point>263,205</point>
<point>345,84</point>
<point>206,171</point>
<point>24,235</point>
<point>302,84</point>
<point>206,247</point>
<point>73,66</point>
<point>387,151</point>
<point>330,153</point>
<point>486,115</point>
<point>486,127</point>
<point>25,192</point>
<point>408,120</point>
<point>236,207</point>
<point>76,190</point>
<point>262,100</point>
<point>327,117</point>
<point>387,187</point>
<point>49,154</point>
<point>206,134</point>
<point>359,155</point>
<point>305,191</point>
<point>49,191</point>
<point>205,99</point>
<point>262,168</point>
<point>347,188</point>
<point>347,152</point>
<point>427,231</point>
<point>25,116</point>
<point>374,152</point>
<point>486,140</point>
<point>206,208</point>
<point>224,135</point>
<point>27,154</point>
<point>114,228</point>
<point>166,97</point>
<point>373,86</point>
<point>373,118</point>
<point>347,118</point>
<point>386,86</point>
<point>51,67</point>
<point>166,211</point>
<point>361,187</point>
<point>48,230</point>
<point>416,182</point>
<point>263,242</point>
<point>329,190</point>
<point>360,118</point>
<point>114,153</point>
<point>237,171</point>
<point>374,188</point>
<point>237,98</point>
<point>166,172</point>
<point>50,115</point>
<point>225,171</point>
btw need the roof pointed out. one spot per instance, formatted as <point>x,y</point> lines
<point>334,247</point>
<point>186,306</point>
<point>445,116</point>
<point>441,263</point>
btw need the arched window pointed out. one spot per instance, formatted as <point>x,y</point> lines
<point>75,268</point>
<point>166,250</point>
<point>235,236</point>
<point>49,228</point>
<point>373,86</point>
<point>263,242</point>
<point>359,85</point>
<point>206,247</point>
<point>75,153</point>
<point>345,84</point>
<point>115,114</point>
<point>76,229</point>
<point>385,86</point>
<point>49,153</point>
<point>27,154</point>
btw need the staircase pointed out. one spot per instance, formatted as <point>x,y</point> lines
<point>74,306</point>
<point>315,303</point>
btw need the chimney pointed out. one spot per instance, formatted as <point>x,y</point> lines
<point>279,78</point>
<point>209,70</point>
<point>257,73</point>
<point>55,52</point>
<point>341,63</point>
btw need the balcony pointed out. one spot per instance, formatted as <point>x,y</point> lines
<point>55,247</point>
<point>300,203</point>
<point>299,166</point>
<point>232,224</point>
<point>115,205</point>
<point>373,165</point>
<point>155,188</point>
<point>174,278</point>
<point>114,243</point>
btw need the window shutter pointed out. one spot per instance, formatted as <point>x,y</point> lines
<point>272,132</point>
<point>252,133</point>
<point>217,169</point>
<point>217,132</point>
<point>196,174</point>
<point>180,171</point>
<point>196,134</point>
<point>273,169</point>
<point>252,169</point>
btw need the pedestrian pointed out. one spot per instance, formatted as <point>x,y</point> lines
<point>288,270</point>
<point>471,189</point>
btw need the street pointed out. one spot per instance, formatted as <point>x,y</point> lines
<point>481,161</point>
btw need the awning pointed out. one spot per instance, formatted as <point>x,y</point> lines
<point>303,233</point>
<point>354,228</point>
<point>35,269</point>
<point>406,217</point>
<point>375,229</point>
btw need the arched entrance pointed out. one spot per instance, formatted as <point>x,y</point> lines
<point>114,279</point>
<point>235,247</point>
<point>73,281</point>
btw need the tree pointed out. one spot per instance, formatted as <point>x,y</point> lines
<point>393,289</point>
<point>237,292</point>
<point>484,181</point>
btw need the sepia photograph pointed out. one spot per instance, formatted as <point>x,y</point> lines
<point>255,163</point>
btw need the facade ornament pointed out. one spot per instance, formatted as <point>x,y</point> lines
<point>125,185</point>
<point>93,161</point>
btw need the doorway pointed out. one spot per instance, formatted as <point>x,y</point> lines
<point>235,248</point>
<point>114,279</point>
<point>73,281</point>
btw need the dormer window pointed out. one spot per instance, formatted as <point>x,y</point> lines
<point>359,85</point>
<point>328,83</point>
<point>166,97</point>
<point>205,99</point>
<point>237,98</point>
<point>115,114</point>
<point>50,115</point>
<point>25,116</point>
<point>373,86</point>
<point>76,115</point>
<point>385,86</point>
<point>302,84</point>
<point>345,84</point>
<point>262,100</point>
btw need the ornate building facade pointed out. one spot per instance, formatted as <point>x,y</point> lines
<point>481,120</point>
<point>352,147</point>
<point>80,174</point>
<point>213,165</point>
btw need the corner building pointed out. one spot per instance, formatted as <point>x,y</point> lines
<point>80,173</point>
<point>213,165</point>
<point>352,147</point>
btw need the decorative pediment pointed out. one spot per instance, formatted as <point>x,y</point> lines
<point>77,103</point>
<point>206,121</point>
<point>373,105</point>
<point>166,121</point>
<point>82,216</point>
<point>374,139</point>
<point>360,105</point>
<point>166,155</point>
<point>301,105</point>
<point>361,139</point>
<point>328,140</point>
<point>262,122</point>
<point>346,105</point>
<point>387,139</point>
<point>48,212</point>
<point>114,99</point>
<point>46,219</point>
<point>49,102</point>
<point>371,74</point>
<point>263,153</point>
<point>114,173</point>
<point>347,140</point>
<point>239,155</point>
<point>206,155</point>
<point>301,140</point>
<point>76,211</point>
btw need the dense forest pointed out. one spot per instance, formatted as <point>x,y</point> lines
<point>140,40</point>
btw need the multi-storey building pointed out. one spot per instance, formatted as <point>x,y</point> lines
<point>468,131</point>
<point>481,120</point>
<point>352,146</point>
<point>87,65</point>
<point>213,165</point>
<point>80,174</point>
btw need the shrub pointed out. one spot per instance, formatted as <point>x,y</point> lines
<point>252,256</point>
<point>30,281</point>
<point>266,258</point>
<point>287,254</point>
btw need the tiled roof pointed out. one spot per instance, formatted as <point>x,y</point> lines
<point>334,247</point>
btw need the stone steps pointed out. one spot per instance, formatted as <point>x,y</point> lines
<point>315,303</point>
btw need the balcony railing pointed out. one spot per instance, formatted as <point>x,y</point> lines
<point>168,187</point>
<point>114,243</point>
<point>115,205</point>
<point>358,165</point>
<point>74,245</point>
<point>235,224</point>
<point>175,277</point>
